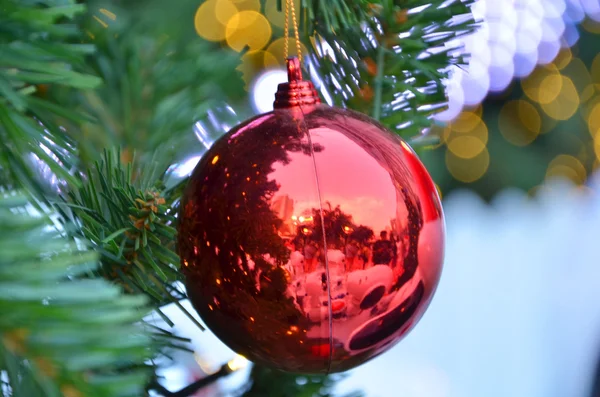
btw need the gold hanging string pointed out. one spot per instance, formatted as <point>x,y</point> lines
<point>290,4</point>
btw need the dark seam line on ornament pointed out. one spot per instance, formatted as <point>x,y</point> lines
<point>329,317</point>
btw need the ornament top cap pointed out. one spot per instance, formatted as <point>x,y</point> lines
<point>296,92</point>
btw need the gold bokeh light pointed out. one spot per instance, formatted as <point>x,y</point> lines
<point>564,106</point>
<point>275,16</point>
<point>567,166</point>
<point>519,122</point>
<point>591,26</point>
<point>212,17</point>
<point>466,136</point>
<point>276,49</point>
<point>466,122</point>
<point>579,74</point>
<point>466,146</point>
<point>563,58</point>
<point>593,121</point>
<point>248,28</point>
<point>468,170</point>
<point>247,5</point>
<point>595,69</point>
<point>252,63</point>
<point>550,88</point>
<point>531,85</point>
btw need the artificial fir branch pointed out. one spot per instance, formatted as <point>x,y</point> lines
<point>393,63</point>
<point>35,50</point>
<point>62,333</point>
<point>131,224</point>
<point>158,80</point>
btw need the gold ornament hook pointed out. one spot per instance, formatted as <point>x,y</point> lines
<point>289,4</point>
<point>294,69</point>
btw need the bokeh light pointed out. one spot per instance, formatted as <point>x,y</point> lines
<point>514,38</point>
<point>532,85</point>
<point>468,170</point>
<point>212,17</point>
<point>247,5</point>
<point>248,29</point>
<point>563,59</point>
<point>466,146</point>
<point>579,74</point>
<point>276,49</point>
<point>519,122</point>
<point>593,121</point>
<point>264,87</point>
<point>564,106</point>
<point>566,166</point>
<point>466,136</point>
<point>253,63</point>
<point>276,16</point>
<point>596,69</point>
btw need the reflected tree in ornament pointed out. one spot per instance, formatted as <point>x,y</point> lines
<point>230,237</point>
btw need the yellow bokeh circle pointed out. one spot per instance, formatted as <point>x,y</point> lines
<point>529,116</point>
<point>567,166</point>
<point>465,122</point>
<point>212,17</point>
<point>597,148</point>
<point>276,49</point>
<point>595,69</point>
<point>248,29</point>
<point>579,73</point>
<point>277,17</point>
<point>468,170</point>
<point>253,63</point>
<point>588,93</point>
<point>564,106</point>
<point>594,121</point>
<point>563,58</point>
<point>591,26</point>
<point>247,5</point>
<point>531,85</point>
<point>549,88</point>
<point>466,146</point>
<point>519,122</point>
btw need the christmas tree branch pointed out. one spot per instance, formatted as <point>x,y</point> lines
<point>36,51</point>
<point>158,81</point>
<point>392,64</point>
<point>128,216</point>
<point>63,333</point>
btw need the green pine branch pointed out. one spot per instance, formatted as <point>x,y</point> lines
<point>158,80</point>
<point>392,64</point>
<point>36,50</point>
<point>128,216</point>
<point>333,15</point>
<point>61,332</point>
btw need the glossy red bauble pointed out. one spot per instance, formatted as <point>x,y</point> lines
<point>311,238</point>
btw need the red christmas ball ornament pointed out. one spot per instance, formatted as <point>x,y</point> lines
<point>311,238</point>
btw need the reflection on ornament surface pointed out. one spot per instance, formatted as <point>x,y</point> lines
<point>311,239</point>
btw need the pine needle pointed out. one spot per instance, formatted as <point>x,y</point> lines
<point>60,334</point>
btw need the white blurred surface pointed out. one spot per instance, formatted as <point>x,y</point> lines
<point>517,312</point>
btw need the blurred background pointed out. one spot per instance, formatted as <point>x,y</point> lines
<point>517,312</point>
